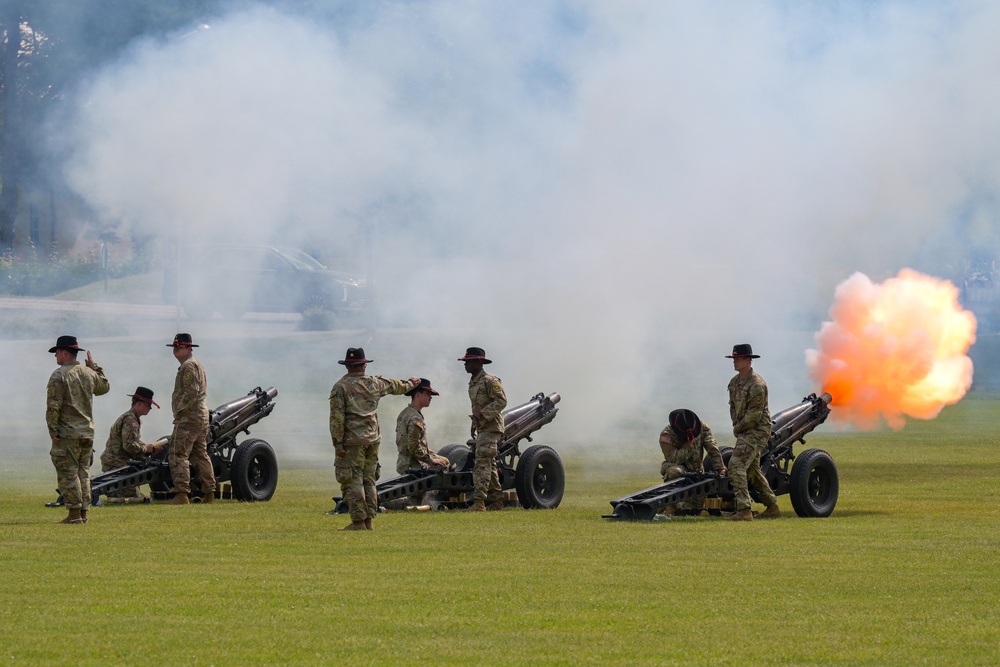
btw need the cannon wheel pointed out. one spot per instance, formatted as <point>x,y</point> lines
<point>460,457</point>
<point>727,453</point>
<point>814,484</point>
<point>540,478</point>
<point>254,471</point>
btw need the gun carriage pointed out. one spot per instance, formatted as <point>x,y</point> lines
<point>537,474</point>
<point>250,466</point>
<point>810,479</point>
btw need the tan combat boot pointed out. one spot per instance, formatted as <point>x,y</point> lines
<point>368,525</point>
<point>668,510</point>
<point>771,512</point>
<point>742,515</point>
<point>496,506</point>
<point>180,498</point>
<point>208,498</point>
<point>73,517</point>
<point>478,506</point>
<point>83,515</point>
<point>355,525</point>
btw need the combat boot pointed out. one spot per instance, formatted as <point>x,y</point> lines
<point>180,498</point>
<point>496,506</point>
<point>355,525</point>
<point>742,515</point>
<point>83,515</point>
<point>208,498</point>
<point>478,506</point>
<point>74,516</point>
<point>771,512</point>
<point>669,510</point>
<point>368,525</point>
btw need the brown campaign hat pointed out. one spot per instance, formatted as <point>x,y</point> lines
<point>425,385</point>
<point>685,424</point>
<point>355,356</point>
<point>182,340</point>
<point>66,343</point>
<point>144,394</point>
<point>743,350</point>
<point>473,353</point>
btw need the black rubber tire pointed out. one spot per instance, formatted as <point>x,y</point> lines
<point>814,484</point>
<point>460,457</point>
<point>254,471</point>
<point>539,479</point>
<point>727,453</point>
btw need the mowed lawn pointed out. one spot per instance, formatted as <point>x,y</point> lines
<point>905,572</point>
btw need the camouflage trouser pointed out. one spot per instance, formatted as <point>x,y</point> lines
<point>109,463</point>
<point>484,472</point>
<point>187,450</point>
<point>357,470</point>
<point>72,458</point>
<point>673,472</point>
<point>744,467</point>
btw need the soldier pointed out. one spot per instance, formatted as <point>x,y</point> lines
<point>355,433</point>
<point>488,401</point>
<point>124,443</point>
<point>411,437</point>
<point>752,428</point>
<point>69,416</point>
<point>188,444</point>
<point>682,442</point>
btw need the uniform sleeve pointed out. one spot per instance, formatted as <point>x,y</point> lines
<point>337,416</point>
<point>666,442</point>
<point>131,442</point>
<point>711,447</point>
<point>190,389</point>
<point>101,384</point>
<point>394,387</point>
<point>416,441</point>
<point>756,403</point>
<point>55,395</point>
<point>498,401</point>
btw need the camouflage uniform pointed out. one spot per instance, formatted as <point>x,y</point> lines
<point>69,416</point>
<point>355,433</point>
<point>752,428</point>
<point>688,457</point>
<point>486,393</point>
<point>411,441</point>
<point>188,444</point>
<point>124,444</point>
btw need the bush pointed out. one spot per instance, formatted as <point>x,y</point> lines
<point>54,274</point>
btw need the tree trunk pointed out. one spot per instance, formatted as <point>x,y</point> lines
<point>10,21</point>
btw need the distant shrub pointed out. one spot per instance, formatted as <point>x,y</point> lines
<point>34,276</point>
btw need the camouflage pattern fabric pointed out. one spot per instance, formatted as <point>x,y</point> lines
<point>688,457</point>
<point>72,458</point>
<point>752,428</point>
<point>488,400</point>
<point>484,471</point>
<point>188,443</point>
<point>354,430</point>
<point>411,441</point>
<point>123,444</point>
<point>69,406</point>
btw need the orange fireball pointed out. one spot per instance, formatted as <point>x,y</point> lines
<point>893,349</point>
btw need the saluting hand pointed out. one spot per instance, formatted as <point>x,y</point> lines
<point>90,359</point>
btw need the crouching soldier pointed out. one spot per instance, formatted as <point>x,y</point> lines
<point>411,437</point>
<point>683,442</point>
<point>124,443</point>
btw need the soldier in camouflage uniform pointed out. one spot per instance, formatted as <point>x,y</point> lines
<point>684,442</point>
<point>189,442</point>
<point>488,401</point>
<point>752,428</point>
<point>355,433</point>
<point>125,444</point>
<point>69,416</point>
<point>411,438</point>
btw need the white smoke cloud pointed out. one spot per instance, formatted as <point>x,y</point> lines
<point>607,196</point>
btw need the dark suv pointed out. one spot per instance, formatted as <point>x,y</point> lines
<point>234,279</point>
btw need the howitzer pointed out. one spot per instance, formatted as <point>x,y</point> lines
<point>810,479</point>
<point>250,466</point>
<point>536,474</point>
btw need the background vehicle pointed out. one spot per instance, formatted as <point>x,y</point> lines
<point>235,279</point>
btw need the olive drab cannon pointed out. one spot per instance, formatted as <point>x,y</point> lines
<point>536,474</point>
<point>250,466</point>
<point>810,479</point>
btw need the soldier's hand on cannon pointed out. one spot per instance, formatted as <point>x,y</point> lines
<point>723,472</point>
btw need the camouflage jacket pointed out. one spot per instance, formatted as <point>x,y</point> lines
<point>748,404</point>
<point>124,442</point>
<point>354,408</point>
<point>69,404</point>
<point>689,454</point>
<point>486,393</point>
<point>190,388</point>
<point>411,441</point>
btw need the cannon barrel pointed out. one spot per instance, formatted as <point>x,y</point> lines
<point>230,418</point>
<point>523,420</point>
<point>791,424</point>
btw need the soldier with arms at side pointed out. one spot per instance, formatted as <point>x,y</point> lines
<point>684,442</point>
<point>189,442</point>
<point>752,428</point>
<point>125,443</point>
<point>69,416</point>
<point>354,430</point>
<point>488,402</point>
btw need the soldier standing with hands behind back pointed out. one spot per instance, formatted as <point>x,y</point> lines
<point>488,401</point>
<point>189,442</point>
<point>69,409</point>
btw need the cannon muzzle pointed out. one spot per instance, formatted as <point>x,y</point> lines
<point>521,421</point>
<point>792,424</point>
<point>230,418</point>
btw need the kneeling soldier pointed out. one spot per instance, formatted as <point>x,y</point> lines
<point>682,443</point>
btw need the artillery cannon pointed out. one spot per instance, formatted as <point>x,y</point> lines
<point>810,479</point>
<point>536,474</point>
<point>250,466</point>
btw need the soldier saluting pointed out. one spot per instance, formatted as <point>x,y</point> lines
<point>488,402</point>
<point>355,433</point>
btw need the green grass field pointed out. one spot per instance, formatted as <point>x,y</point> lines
<point>903,573</point>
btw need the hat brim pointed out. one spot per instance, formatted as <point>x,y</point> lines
<point>736,356</point>
<point>143,399</point>
<point>65,347</point>
<point>354,362</point>
<point>182,345</point>
<point>482,359</point>
<point>413,392</point>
